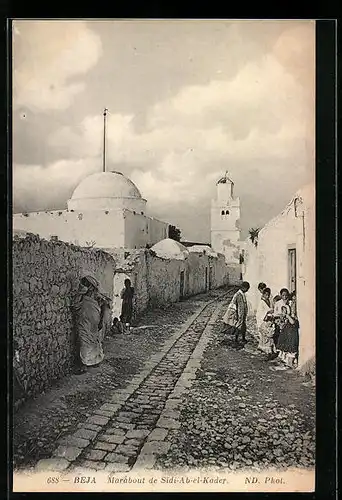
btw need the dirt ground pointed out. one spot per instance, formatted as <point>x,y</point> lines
<point>243,411</point>
<point>41,421</point>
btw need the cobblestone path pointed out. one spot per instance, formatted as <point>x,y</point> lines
<point>131,428</point>
<point>63,408</point>
<point>243,412</point>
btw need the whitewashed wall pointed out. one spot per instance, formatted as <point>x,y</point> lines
<point>269,263</point>
<point>105,228</point>
<point>141,230</point>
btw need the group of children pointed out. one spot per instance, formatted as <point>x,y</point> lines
<point>277,323</point>
<point>278,326</point>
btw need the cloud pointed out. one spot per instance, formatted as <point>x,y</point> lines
<point>236,123</point>
<point>295,50</point>
<point>255,123</point>
<point>47,56</point>
<point>36,188</point>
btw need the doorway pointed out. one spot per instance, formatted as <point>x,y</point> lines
<point>210,277</point>
<point>181,287</point>
<point>292,267</point>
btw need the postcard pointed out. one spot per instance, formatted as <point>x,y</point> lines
<point>163,255</point>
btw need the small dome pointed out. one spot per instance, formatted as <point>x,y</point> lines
<point>106,185</point>
<point>203,249</point>
<point>170,249</point>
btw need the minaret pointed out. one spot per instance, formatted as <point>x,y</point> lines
<point>225,217</point>
<point>104,139</point>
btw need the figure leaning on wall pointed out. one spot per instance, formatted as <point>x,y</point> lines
<point>92,312</point>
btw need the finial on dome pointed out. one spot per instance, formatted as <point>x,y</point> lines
<point>226,178</point>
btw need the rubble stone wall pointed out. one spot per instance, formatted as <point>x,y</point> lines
<point>45,278</point>
<point>157,281</point>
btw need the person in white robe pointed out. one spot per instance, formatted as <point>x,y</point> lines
<point>264,319</point>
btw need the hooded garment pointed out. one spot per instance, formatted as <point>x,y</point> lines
<point>92,317</point>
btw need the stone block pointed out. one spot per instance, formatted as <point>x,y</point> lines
<point>155,447</point>
<point>86,434</point>
<point>125,420</point>
<point>102,445</point>
<point>68,452</point>
<point>132,442</point>
<point>133,387</point>
<point>116,430</point>
<point>117,458</point>
<point>128,414</point>
<point>74,441</point>
<point>93,465</point>
<point>110,407</point>
<point>172,404</point>
<point>158,434</point>
<point>137,434</point>
<point>145,461</point>
<point>91,427</point>
<point>112,438</point>
<point>104,413</point>
<point>183,383</point>
<point>177,392</point>
<point>124,425</point>
<point>129,451</point>
<point>95,454</point>
<point>98,420</point>
<point>52,464</point>
<point>173,414</point>
<point>168,423</point>
<point>117,467</point>
<point>119,399</point>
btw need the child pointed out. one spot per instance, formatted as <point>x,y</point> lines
<point>293,303</point>
<point>127,294</point>
<point>289,337</point>
<point>276,321</point>
<point>261,287</point>
<point>117,327</point>
<point>265,325</point>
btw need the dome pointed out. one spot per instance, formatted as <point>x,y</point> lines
<point>170,249</point>
<point>106,185</point>
<point>205,249</point>
<point>106,190</point>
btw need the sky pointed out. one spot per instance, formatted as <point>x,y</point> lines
<point>187,101</point>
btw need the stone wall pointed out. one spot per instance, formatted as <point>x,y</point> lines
<point>45,277</point>
<point>157,281</point>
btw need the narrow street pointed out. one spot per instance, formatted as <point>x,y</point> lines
<point>63,408</point>
<point>175,395</point>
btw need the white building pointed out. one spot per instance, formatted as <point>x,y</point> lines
<point>106,210</point>
<point>285,258</point>
<point>225,217</point>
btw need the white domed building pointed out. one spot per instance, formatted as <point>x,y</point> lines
<point>106,210</point>
<point>107,190</point>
